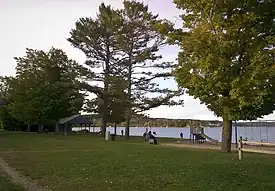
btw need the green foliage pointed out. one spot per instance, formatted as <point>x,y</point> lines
<point>140,41</point>
<point>5,117</point>
<point>227,57</point>
<point>96,38</point>
<point>117,103</point>
<point>45,87</point>
<point>124,43</point>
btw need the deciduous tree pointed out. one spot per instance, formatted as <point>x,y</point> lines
<point>4,88</point>
<point>46,87</point>
<point>227,58</point>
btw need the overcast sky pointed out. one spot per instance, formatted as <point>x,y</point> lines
<point>40,24</point>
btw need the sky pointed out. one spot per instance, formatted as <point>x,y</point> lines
<point>41,24</point>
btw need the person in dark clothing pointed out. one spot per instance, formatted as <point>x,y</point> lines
<point>155,138</point>
<point>122,132</point>
<point>145,136</point>
<point>181,135</point>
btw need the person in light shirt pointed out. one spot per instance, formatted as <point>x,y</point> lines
<point>155,138</point>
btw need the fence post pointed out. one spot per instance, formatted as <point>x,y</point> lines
<point>236,134</point>
<point>240,147</point>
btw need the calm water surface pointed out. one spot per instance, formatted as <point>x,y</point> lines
<point>265,134</point>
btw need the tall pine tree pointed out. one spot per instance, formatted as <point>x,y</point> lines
<point>139,42</point>
<point>124,43</point>
<point>96,38</point>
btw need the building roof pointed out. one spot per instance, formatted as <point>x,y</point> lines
<point>76,119</point>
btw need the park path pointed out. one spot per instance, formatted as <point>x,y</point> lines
<point>19,179</point>
<point>205,146</point>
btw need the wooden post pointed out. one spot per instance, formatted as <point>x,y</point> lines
<point>236,134</point>
<point>240,147</point>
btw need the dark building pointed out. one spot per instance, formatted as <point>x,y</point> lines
<point>66,124</point>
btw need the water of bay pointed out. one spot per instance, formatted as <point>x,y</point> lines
<point>265,134</point>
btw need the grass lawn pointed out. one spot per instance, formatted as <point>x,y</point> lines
<point>90,163</point>
<point>6,185</point>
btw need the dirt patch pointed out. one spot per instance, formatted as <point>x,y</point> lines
<point>193,146</point>
<point>207,146</point>
<point>17,178</point>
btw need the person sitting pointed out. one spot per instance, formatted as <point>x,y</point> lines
<point>151,137</point>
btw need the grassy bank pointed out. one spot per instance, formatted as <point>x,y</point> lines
<point>90,163</point>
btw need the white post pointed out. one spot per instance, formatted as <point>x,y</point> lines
<point>240,147</point>
<point>107,135</point>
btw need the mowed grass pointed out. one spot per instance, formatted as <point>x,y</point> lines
<point>90,163</point>
<point>6,184</point>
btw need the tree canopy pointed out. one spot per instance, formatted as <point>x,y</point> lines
<point>125,43</point>
<point>227,58</point>
<point>45,87</point>
<point>96,38</point>
<point>4,89</point>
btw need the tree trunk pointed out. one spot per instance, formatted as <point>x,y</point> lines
<point>1,126</point>
<point>127,128</point>
<point>105,109</point>
<point>56,127</point>
<point>226,134</point>
<point>106,91</point>
<point>129,95</point>
<point>40,128</point>
<point>65,129</point>
<point>29,128</point>
<point>115,128</point>
<point>103,127</point>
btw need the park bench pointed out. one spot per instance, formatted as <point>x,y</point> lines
<point>199,138</point>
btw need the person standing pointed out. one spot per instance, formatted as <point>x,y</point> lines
<point>122,132</point>
<point>145,136</point>
<point>155,138</point>
<point>181,135</point>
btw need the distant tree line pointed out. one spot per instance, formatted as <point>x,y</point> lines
<point>122,57</point>
<point>143,121</point>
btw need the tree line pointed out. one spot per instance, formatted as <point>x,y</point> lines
<point>143,121</point>
<point>226,60</point>
<point>122,58</point>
